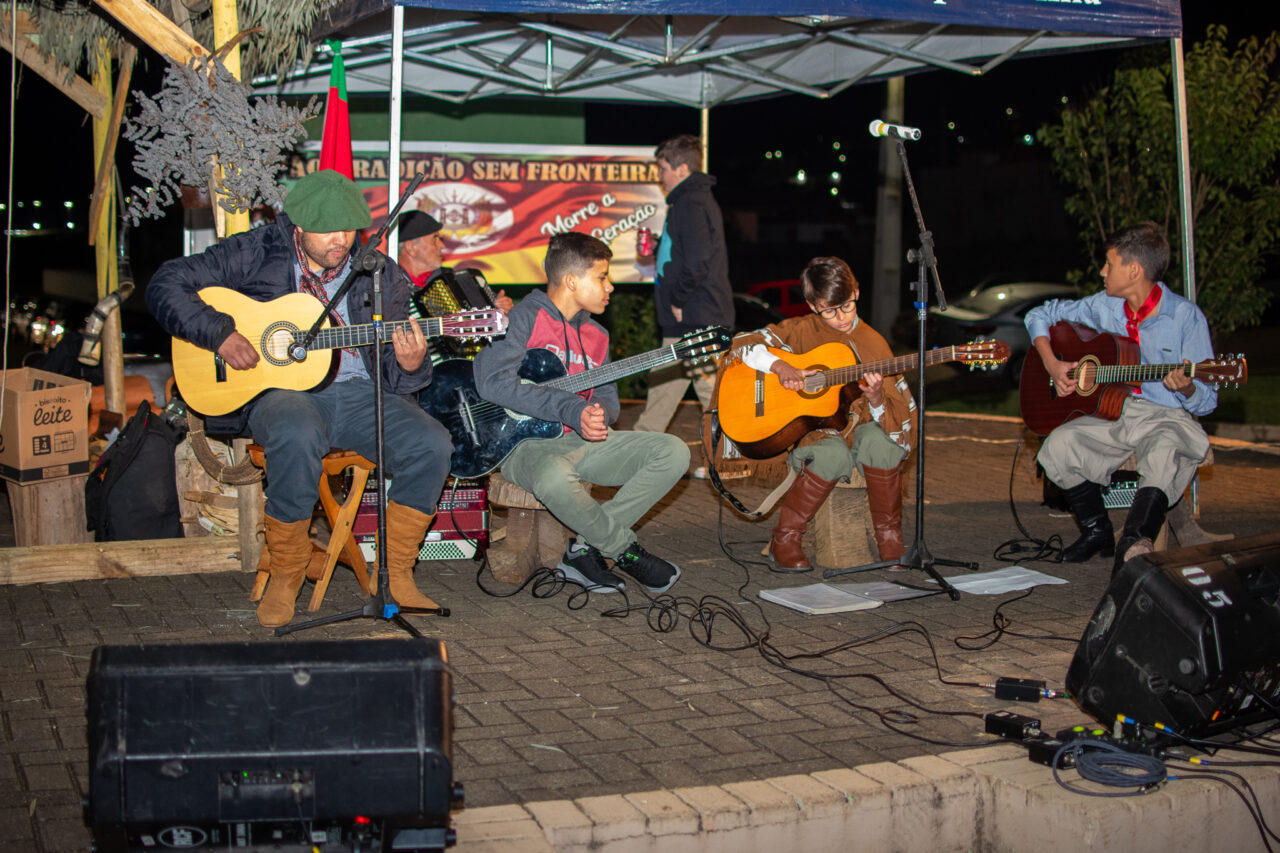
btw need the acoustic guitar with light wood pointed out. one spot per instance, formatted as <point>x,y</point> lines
<point>276,329</point>
<point>763,418</point>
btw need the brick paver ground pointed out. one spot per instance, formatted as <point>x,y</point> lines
<point>555,703</point>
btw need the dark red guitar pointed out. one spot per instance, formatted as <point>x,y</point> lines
<point>1109,369</point>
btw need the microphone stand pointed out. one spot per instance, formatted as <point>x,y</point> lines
<point>918,556</point>
<point>380,605</point>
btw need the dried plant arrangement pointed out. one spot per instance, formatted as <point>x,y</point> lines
<point>200,119</point>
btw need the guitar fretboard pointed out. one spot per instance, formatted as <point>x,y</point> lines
<point>887,366</point>
<point>1135,372</point>
<point>614,370</point>
<point>335,337</point>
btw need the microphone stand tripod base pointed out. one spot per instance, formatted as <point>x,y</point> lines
<point>919,559</point>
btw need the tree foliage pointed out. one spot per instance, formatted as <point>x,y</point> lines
<point>1117,153</point>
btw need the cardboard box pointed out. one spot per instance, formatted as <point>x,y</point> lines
<point>44,434</point>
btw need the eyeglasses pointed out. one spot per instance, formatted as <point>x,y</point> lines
<point>830,313</point>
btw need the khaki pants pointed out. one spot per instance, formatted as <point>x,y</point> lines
<point>832,459</point>
<point>1167,443</point>
<point>645,465</point>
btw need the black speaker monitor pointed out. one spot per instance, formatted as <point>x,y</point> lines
<point>1189,638</point>
<point>280,745</point>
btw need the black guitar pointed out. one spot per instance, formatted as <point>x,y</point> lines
<point>485,433</point>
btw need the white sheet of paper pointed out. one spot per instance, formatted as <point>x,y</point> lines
<point>1001,581</point>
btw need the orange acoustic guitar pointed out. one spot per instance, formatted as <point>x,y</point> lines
<point>1109,369</point>
<point>763,419</point>
<point>210,387</point>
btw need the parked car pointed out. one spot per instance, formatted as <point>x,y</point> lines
<point>786,295</point>
<point>752,312</point>
<point>996,312</point>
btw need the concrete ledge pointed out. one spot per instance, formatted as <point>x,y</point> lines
<point>980,799</point>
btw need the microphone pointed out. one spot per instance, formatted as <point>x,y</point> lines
<point>899,131</point>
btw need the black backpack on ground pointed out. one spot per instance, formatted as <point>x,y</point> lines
<point>131,493</point>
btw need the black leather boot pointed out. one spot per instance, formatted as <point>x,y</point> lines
<point>1142,524</point>
<point>1096,534</point>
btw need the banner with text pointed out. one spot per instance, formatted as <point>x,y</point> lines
<point>500,204</point>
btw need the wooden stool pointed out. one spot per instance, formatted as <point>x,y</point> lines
<point>533,537</point>
<point>840,535</point>
<point>341,517</point>
<point>842,531</point>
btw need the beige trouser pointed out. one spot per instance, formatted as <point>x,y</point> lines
<point>666,389</point>
<point>1168,444</point>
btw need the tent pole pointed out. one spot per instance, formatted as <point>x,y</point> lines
<point>397,105</point>
<point>706,138</point>
<point>1184,167</point>
<point>1184,199</point>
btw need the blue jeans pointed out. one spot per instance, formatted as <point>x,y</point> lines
<point>297,428</point>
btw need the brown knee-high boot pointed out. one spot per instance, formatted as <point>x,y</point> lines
<point>801,502</point>
<point>406,528</point>
<point>289,546</point>
<point>884,499</point>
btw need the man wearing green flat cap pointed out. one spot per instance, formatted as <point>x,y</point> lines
<point>309,249</point>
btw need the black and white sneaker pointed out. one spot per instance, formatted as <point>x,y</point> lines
<point>654,573</point>
<point>584,565</point>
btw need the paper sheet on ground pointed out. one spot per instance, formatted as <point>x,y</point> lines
<point>819,598</point>
<point>1000,581</point>
<point>844,597</point>
<point>839,597</point>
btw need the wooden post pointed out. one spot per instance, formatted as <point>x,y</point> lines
<point>251,516</point>
<point>104,242</point>
<point>50,512</point>
<point>226,27</point>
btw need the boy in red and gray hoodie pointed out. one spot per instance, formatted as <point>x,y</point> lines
<point>645,465</point>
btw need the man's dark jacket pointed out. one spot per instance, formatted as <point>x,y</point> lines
<point>260,265</point>
<point>696,279</point>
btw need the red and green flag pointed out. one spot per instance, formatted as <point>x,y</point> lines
<point>335,148</point>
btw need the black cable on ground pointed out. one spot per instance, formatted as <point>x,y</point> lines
<point>1000,627</point>
<point>1027,549</point>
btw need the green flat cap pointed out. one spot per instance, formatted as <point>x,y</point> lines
<point>327,201</point>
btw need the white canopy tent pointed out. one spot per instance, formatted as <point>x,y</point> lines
<point>701,53</point>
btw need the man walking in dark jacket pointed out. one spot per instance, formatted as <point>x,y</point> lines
<point>692,286</point>
<point>308,249</point>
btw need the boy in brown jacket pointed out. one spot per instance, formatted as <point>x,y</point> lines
<point>878,436</point>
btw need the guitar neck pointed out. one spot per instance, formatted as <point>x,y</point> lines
<point>614,371</point>
<point>336,337</point>
<point>887,366</point>
<point>1137,372</point>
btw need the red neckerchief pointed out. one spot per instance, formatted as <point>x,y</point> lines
<point>314,283</point>
<point>1134,318</point>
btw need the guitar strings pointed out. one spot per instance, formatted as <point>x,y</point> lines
<point>482,411</point>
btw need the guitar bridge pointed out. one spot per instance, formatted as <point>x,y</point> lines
<point>219,369</point>
<point>759,394</point>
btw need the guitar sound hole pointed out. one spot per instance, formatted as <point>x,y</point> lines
<point>276,341</point>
